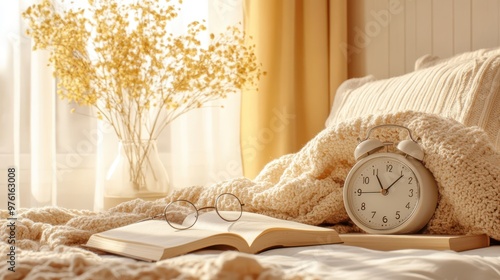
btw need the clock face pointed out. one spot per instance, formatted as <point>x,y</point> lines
<point>381,192</point>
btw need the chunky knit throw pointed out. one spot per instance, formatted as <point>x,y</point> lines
<point>305,187</point>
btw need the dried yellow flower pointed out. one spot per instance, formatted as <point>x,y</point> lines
<point>118,58</point>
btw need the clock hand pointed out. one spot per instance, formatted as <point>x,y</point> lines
<point>380,183</point>
<point>394,183</point>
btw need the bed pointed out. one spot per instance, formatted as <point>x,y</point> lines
<point>460,135</point>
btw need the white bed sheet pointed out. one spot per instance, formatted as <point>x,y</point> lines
<point>348,262</point>
<point>339,261</point>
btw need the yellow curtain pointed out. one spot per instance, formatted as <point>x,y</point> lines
<point>299,43</point>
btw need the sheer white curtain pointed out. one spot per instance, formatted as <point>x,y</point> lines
<point>61,158</point>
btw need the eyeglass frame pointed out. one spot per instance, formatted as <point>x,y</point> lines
<point>164,215</point>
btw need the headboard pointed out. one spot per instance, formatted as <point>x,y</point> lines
<point>387,36</point>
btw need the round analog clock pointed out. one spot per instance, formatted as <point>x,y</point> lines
<point>390,193</point>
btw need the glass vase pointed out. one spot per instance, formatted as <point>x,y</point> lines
<point>136,172</point>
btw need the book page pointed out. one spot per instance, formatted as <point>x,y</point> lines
<point>250,226</point>
<point>157,233</point>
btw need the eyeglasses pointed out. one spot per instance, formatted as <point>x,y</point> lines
<point>183,214</point>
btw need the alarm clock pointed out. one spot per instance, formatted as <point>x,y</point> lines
<point>391,191</point>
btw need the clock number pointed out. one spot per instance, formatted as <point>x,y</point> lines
<point>366,180</point>
<point>397,215</point>
<point>359,192</point>
<point>375,172</point>
<point>407,205</point>
<point>374,212</point>
<point>410,180</point>
<point>388,168</point>
<point>411,193</point>
<point>363,206</point>
<point>384,219</point>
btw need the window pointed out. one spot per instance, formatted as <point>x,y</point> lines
<point>60,157</point>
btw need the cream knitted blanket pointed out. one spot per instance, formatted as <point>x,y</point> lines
<point>305,186</point>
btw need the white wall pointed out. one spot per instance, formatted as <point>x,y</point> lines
<point>387,36</point>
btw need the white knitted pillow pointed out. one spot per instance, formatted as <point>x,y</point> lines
<point>346,86</point>
<point>432,60</point>
<point>467,91</point>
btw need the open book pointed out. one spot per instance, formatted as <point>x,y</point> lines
<point>155,240</point>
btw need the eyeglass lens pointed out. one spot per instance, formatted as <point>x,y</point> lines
<point>177,212</point>
<point>229,207</point>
